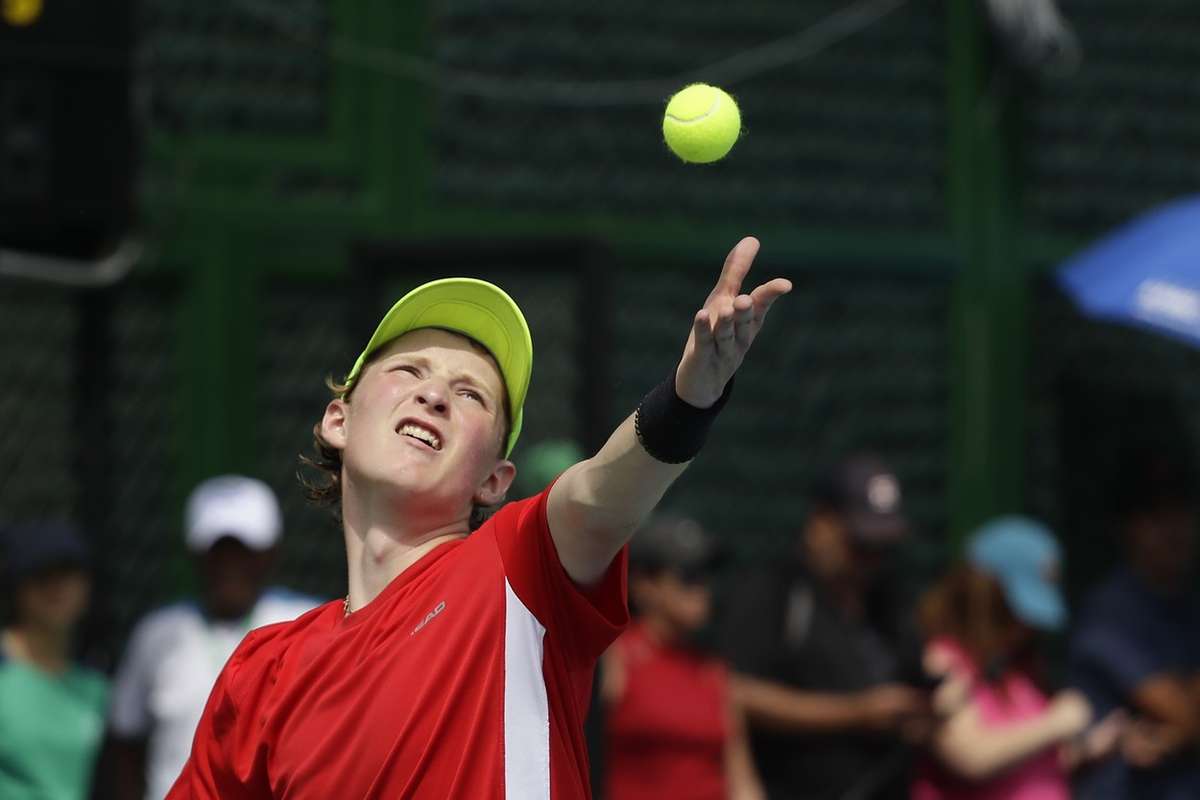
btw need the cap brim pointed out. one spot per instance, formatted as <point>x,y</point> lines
<point>1037,603</point>
<point>474,308</point>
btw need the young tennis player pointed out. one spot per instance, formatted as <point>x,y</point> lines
<point>460,666</point>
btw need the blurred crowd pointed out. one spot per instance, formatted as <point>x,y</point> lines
<point>825,675</point>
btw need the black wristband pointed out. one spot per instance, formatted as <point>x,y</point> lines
<point>671,430</point>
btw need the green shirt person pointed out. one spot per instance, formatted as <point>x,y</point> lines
<point>51,710</point>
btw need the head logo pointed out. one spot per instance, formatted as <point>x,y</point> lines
<point>429,617</point>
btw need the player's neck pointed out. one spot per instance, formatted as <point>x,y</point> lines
<point>379,546</point>
<point>45,648</point>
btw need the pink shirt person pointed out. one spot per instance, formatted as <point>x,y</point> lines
<point>1001,736</point>
<point>1013,698</point>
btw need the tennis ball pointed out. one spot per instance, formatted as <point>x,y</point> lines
<point>701,123</point>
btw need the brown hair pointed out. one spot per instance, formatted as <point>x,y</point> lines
<point>325,488</point>
<point>968,606</point>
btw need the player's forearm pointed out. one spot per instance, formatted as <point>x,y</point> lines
<point>596,505</point>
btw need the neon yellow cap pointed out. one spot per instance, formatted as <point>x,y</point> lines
<point>473,308</point>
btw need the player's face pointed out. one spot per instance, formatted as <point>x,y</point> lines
<point>426,419</point>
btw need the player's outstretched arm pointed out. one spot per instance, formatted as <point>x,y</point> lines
<point>596,505</point>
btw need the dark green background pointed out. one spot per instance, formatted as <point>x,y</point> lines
<point>915,189</point>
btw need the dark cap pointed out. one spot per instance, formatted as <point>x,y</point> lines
<point>33,547</point>
<point>866,492</point>
<point>674,542</point>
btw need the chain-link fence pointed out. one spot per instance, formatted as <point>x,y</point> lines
<point>850,139</point>
<point>1096,391</point>
<point>90,391</point>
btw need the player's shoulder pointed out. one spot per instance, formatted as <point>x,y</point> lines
<point>283,633</point>
<point>529,510</point>
<point>264,646</point>
<point>510,532</point>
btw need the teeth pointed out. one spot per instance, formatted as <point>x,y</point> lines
<point>426,436</point>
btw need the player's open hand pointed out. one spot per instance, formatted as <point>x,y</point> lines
<point>725,327</point>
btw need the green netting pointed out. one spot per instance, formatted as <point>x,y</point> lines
<point>1096,388</point>
<point>850,360</point>
<point>243,66</point>
<point>142,534</point>
<point>303,340</point>
<point>38,330</point>
<point>853,135</point>
<point>1119,135</point>
<point>89,396</point>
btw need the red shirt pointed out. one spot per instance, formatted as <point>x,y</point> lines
<point>668,732</point>
<point>468,676</point>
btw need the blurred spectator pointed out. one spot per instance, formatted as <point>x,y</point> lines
<point>1002,737</point>
<point>51,710</point>
<point>232,525</point>
<point>1138,642</point>
<point>820,662</point>
<point>673,727</point>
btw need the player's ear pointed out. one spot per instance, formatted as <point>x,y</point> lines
<point>335,423</point>
<point>495,485</point>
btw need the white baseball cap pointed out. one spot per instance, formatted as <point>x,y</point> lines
<point>232,505</point>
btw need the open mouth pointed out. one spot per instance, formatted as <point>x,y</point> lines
<point>419,432</point>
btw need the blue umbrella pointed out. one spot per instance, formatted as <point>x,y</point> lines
<point>1146,273</point>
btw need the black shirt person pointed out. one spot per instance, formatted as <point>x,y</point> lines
<point>819,668</point>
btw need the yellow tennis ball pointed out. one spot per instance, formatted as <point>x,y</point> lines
<point>701,123</point>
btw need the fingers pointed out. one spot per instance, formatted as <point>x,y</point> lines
<point>744,323</point>
<point>737,264</point>
<point>767,294</point>
<point>730,320</point>
<point>702,330</point>
<point>724,334</point>
<point>737,322</point>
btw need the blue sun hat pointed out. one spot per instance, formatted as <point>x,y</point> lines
<point>1023,555</point>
